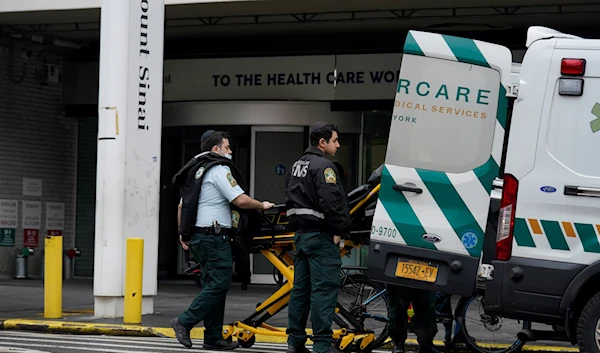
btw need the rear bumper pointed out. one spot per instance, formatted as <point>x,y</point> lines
<point>456,274</point>
<point>529,289</point>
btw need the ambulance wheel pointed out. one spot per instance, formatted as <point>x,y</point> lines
<point>588,326</point>
<point>249,343</point>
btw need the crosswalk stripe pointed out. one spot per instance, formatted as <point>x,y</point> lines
<point>84,349</point>
<point>99,344</point>
<point>85,339</point>
<point>9,349</point>
<point>154,341</point>
<point>102,347</point>
<point>56,341</point>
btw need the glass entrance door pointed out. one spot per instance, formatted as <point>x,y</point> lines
<point>274,150</point>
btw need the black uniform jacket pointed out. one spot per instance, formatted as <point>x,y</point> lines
<point>315,197</point>
<point>189,180</point>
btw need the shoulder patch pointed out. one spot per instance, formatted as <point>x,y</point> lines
<point>199,173</point>
<point>235,219</point>
<point>330,176</point>
<point>232,180</point>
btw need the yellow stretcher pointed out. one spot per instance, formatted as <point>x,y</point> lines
<point>276,248</point>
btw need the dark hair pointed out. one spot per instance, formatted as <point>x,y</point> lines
<point>216,139</point>
<point>326,132</point>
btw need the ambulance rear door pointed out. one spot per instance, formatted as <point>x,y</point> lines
<point>443,154</point>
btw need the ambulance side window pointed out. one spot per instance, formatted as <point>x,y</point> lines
<point>444,116</point>
<point>573,136</point>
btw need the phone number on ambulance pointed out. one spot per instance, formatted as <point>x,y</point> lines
<point>384,232</point>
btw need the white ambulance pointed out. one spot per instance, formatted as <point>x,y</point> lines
<point>447,150</point>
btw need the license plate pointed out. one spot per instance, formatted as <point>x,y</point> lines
<point>417,270</point>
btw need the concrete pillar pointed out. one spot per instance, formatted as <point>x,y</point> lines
<point>129,136</point>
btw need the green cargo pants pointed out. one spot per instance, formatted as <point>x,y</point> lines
<point>424,319</point>
<point>316,283</point>
<point>214,255</point>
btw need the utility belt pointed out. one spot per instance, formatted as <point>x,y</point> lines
<point>213,230</point>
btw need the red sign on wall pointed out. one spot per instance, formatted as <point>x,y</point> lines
<point>31,238</point>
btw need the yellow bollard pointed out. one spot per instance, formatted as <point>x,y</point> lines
<point>53,277</point>
<point>133,281</point>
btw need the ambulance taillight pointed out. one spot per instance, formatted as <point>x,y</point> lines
<point>572,67</point>
<point>506,221</point>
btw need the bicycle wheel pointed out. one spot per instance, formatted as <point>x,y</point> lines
<point>367,303</point>
<point>498,335</point>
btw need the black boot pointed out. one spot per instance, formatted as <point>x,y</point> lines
<point>181,332</point>
<point>297,349</point>
<point>221,345</point>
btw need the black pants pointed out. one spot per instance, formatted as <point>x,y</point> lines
<point>213,252</point>
<point>424,319</point>
<point>316,284</point>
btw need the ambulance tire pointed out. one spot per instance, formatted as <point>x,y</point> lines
<point>587,326</point>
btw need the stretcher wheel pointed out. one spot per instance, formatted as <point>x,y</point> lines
<point>249,343</point>
<point>367,349</point>
<point>338,346</point>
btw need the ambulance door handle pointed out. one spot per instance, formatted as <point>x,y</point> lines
<point>571,190</point>
<point>407,188</point>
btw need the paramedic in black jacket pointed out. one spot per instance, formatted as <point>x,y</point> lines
<point>209,188</point>
<point>317,209</point>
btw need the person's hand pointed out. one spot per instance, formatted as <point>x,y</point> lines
<point>266,205</point>
<point>336,239</point>
<point>184,244</point>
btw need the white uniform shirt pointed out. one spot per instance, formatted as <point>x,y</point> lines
<point>219,188</point>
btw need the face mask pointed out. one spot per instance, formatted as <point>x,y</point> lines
<point>226,155</point>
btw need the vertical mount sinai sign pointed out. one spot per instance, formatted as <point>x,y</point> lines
<point>144,110</point>
<point>144,125</point>
<point>147,66</point>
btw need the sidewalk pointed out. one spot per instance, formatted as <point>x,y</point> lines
<point>22,307</point>
<point>78,302</point>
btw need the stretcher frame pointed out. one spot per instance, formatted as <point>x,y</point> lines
<point>275,249</point>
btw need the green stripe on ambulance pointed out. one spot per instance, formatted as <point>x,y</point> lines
<point>446,196</point>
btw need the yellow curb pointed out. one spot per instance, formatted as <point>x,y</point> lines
<point>198,333</point>
<point>549,349</point>
<point>77,327</point>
